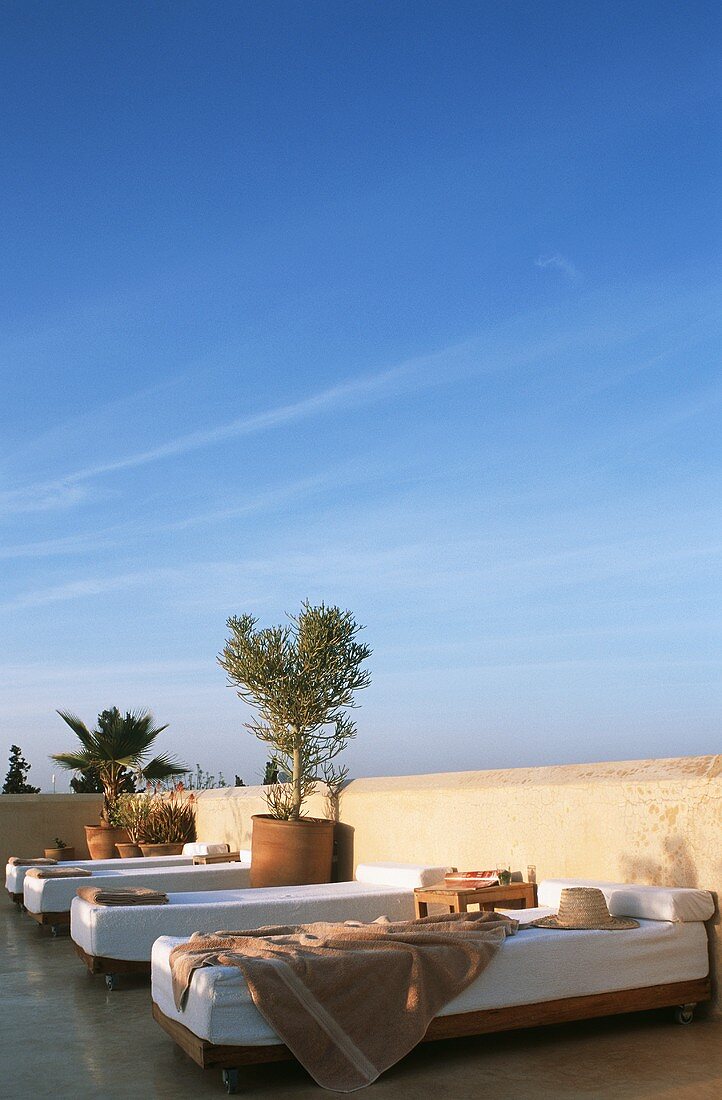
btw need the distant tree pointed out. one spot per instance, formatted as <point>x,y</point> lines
<point>270,773</point>
<point>239,782</point>
<point>89,782</point>
<point>17,774</point>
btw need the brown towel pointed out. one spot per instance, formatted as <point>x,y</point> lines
<point>125,895</point>
<point>18,861</point>
<point>350,1000</point>
<point>61,871</point>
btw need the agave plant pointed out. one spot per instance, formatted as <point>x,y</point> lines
<point>172,819</point>
<point>117,749</point>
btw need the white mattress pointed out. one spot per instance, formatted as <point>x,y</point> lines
<point>197,848</point>
<point>535,965</point>
<point>404,875</point>
<point>48,895</point>
<point>15,876</point>
<point>626,899</point>
<point>129,933</point>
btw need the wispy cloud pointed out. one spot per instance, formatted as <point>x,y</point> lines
<point>559,263</point>
<point>273,499</point>
<point>506,347</point>
<point>67,491</point>
<point>88,587</point>
<point>50,496</point>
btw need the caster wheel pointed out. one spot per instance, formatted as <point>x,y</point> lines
<point>111,982</point>
<point>230,1081</point>
<point>54,931</point>
<point>684,1014</point>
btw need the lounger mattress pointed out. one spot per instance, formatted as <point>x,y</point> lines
<point>55,895</point>
<point>128,933</point>
<point>535,965</point>
<point>15,876</point>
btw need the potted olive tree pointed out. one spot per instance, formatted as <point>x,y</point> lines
<point>300,678</point>
<point>116,750</point>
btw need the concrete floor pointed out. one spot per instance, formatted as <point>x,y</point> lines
<point>63,1035</point>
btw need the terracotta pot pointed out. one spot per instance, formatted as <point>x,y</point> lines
<point>129,851</point>
<point>291,853</point>
<point>161,849</point>
<point>102,841</point>
<point>61,854</point>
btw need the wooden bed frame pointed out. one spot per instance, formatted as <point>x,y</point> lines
<point>684,996</point>
<point>55,920</point>
<point>111,968</point>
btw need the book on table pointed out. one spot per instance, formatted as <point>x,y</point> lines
<point>471,879</point>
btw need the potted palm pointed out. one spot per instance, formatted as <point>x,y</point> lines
<point>117,749</point>
<point>300,678</point>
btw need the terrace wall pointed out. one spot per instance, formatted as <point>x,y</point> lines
<point>31,822</point>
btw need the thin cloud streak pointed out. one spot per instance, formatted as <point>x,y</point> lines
<point>558,263</point>
<point>405,567</point>
<point>499,349</point>
<point>123,534</point>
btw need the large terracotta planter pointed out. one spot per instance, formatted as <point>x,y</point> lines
<point>291,853</point>
<point>102,841</point>
<point>129,851</point>
<point>62,855</point>
<point>161,849</point>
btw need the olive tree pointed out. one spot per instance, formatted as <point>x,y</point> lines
<point>300,678</point>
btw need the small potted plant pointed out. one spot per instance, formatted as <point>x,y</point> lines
<point>61,851</point>
<point>170,824</point>
<point>116,750</point>
<point>301,678</point>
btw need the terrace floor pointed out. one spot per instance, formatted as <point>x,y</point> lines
<point>63,1035</point>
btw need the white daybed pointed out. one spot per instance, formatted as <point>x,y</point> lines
<point>539,976</point>
<point>48,900</point>
<point>15,875</point>
<point>114,940</point>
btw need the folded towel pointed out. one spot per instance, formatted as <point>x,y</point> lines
<point>62,870</point>
<point>18,861</point>
<point>128,895</point>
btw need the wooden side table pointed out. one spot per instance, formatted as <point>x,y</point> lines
<point>521,895</point>
<point>218,857</point>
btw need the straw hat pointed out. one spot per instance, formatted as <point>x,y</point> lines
<point>584,907</point>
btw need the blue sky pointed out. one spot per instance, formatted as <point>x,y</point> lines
<point>409,307</point>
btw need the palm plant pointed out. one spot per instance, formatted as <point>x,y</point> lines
<point>117,749</point>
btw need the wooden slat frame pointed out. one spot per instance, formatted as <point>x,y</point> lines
<point>484,1022</point>
<point>57,919</point>
<point>99,964</point>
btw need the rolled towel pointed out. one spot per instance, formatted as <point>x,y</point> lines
<point>128,895</point>
<point>61,871</point>
<point>18,861</point>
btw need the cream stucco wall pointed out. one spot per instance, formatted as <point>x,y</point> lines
<point>30,822</point>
